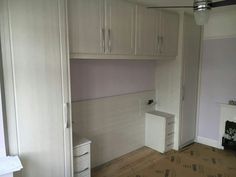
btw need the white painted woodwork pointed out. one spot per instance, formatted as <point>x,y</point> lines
<point>115,125</point>
<point>169,79</point>
<point>82,157</point>
<point>159,131</point>
<point>116,29</point>
<point>169,33</point>
<point>86,26</point>
<point>191,56</point>
<point>35,63</point>
<point>147,31</point>
<point>120,23</point>
<point>227,113</point>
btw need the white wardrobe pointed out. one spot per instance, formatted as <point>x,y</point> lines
<point>35,54</point>
<point>35,64</point>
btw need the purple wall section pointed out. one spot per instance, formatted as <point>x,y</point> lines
<point>91,79</point>
<point>218,83</point>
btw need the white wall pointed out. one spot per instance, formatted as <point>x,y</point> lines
<point>221,24</point>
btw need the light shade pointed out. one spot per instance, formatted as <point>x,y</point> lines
<point>202,16</point>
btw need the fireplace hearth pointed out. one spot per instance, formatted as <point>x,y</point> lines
<point>229,139</point>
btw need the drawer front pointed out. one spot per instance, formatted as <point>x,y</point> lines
<point>169,142</point>
<point>170,128</point>
<point>82,150</point>
<point>85,173</point>
<point>81,163</point>
<point>169,134</point>
<point>170,122</point>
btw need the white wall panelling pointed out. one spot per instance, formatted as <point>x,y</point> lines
<point>115,125</point>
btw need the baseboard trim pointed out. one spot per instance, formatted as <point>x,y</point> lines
<point>207,141</point>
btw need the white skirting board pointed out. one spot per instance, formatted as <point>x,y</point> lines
<point>207,141</point>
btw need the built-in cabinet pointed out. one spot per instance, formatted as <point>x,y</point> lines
<point>87,29</point>
<point>146,31</point>
<point>37,89</point>
<point>156,33</point>
<point>101,27</point>
<point>159,131</point>
<point>118,29</point>
<point>168,34</point>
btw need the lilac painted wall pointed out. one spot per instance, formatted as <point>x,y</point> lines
<point>218,83</point>
<point>92,79</point>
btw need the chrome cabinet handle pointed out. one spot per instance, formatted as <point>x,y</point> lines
<point>103,40</point>
<point>158,44</point>
<point>162,42</point>
<point>109,40</point>
<point>82,171</point>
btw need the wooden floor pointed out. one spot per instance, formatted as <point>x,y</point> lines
<point>194,161</point>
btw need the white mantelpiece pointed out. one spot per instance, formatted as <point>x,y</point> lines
<point>228,112</point>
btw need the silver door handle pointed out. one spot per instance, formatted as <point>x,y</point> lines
<point>67,118</point>
<point>109,40</point>
<point>103,40</point>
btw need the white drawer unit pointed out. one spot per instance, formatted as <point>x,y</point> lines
<point>159,131</point>
<point>81,153</point>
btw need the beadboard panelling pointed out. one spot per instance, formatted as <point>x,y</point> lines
<point>115,125</point>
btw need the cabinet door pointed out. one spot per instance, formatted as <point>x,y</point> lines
<point>169,34</point>
<point>86,27</point>
<point>120,18</point>
<point>35,82</point>
<point>146,31</point>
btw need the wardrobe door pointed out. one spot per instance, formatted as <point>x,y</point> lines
<point>37,71</point>
<point>191,50</point>
<point>119,21</point>
<point>86,27</point>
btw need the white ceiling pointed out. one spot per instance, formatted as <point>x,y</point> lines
<point>164,2</point>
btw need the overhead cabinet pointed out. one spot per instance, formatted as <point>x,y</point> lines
<point>117,29</point>
<point>146,31</point>
<point>168,33</point>
<point>99,27</point>
<point>156,32</point>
